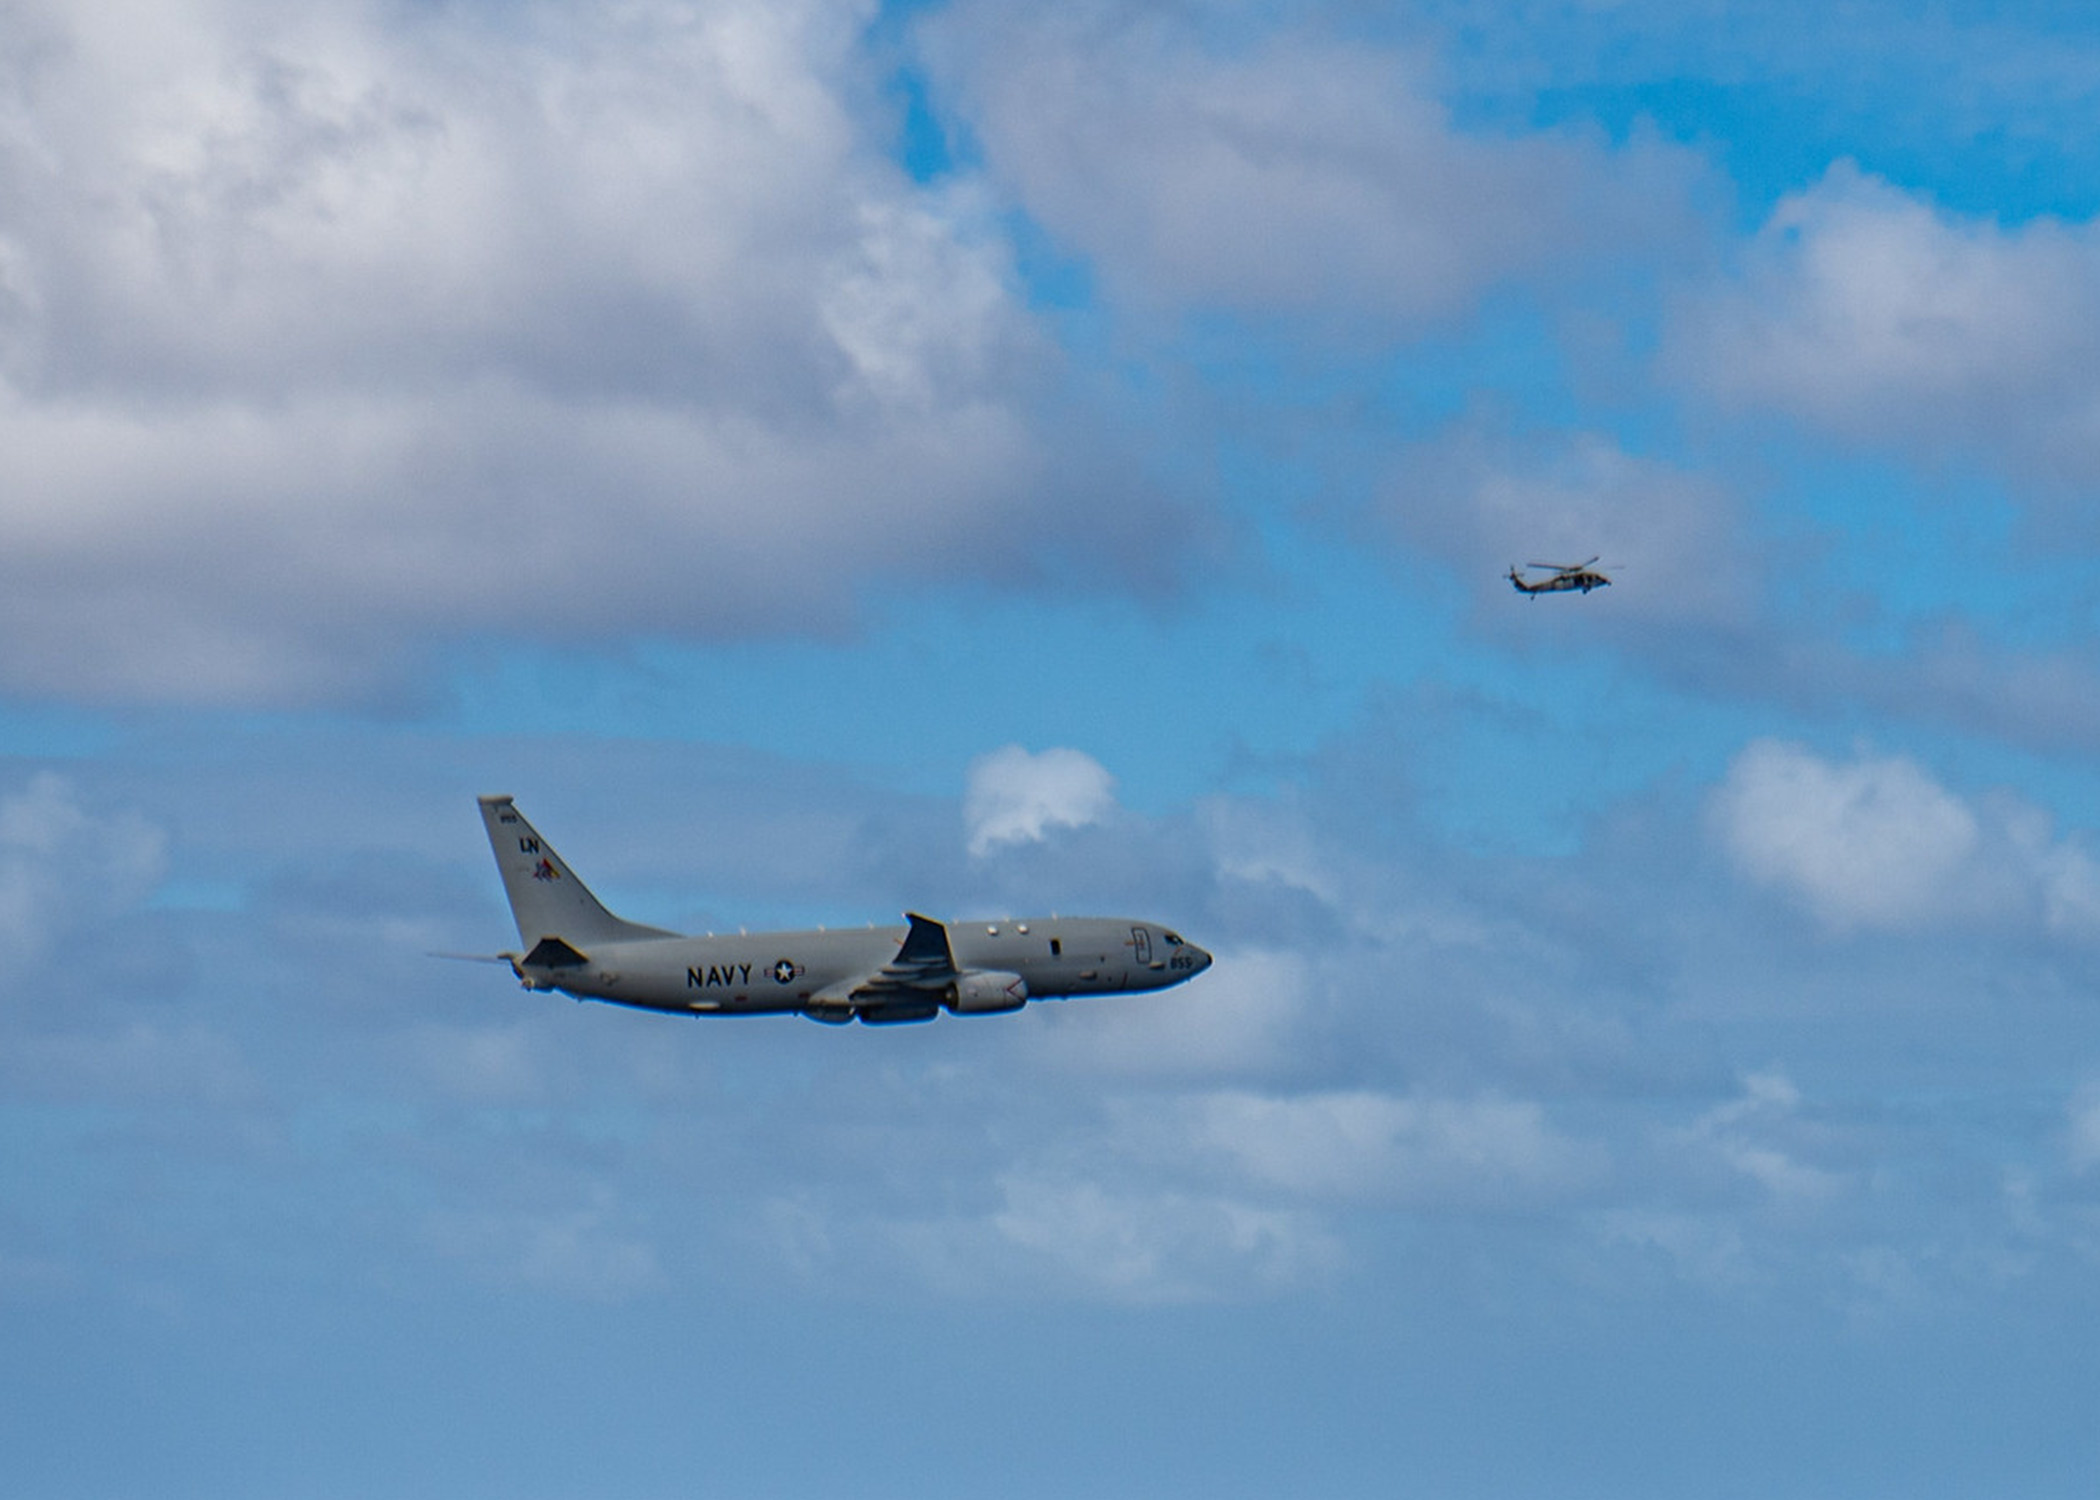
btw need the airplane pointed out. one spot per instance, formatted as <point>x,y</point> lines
<point>877,975</point>
<point>1565,576</point>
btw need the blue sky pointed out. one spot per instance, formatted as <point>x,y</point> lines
<point>827,459</point>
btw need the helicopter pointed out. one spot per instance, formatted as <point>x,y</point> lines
<point>1580,575</point>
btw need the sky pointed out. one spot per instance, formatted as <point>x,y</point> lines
<point>832,458</point>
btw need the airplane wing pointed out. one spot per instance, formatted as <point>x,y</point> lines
<point>923,969</point>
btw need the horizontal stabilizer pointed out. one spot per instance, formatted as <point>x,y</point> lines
<point>553,953</point>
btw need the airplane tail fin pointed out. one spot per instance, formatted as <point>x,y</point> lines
<point>546,898</point>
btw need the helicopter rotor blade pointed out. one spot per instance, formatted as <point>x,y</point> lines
<point>1564,567</point>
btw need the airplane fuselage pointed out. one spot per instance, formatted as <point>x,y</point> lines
<point>812,971</point>
<point>872,974</point>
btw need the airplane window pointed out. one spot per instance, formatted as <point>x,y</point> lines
<point>1057,948</point>
<point>1172,941</point>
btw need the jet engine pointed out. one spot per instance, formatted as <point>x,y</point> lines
<point>986,992</point>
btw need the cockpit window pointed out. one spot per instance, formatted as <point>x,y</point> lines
<point>1172,940</point>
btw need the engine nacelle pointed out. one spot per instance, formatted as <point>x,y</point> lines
<point>986,992</point>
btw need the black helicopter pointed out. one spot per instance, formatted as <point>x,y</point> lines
<point>1582,575</point>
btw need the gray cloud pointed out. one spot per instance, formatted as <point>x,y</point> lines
<point>1482,495</point>
<point>1283,175</point>
<point>1602,1046</point>
<point>1705,598</point>
<point>330,336</point>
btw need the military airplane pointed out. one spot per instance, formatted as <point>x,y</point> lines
<point>876,975</point>
<point>1580,575</point>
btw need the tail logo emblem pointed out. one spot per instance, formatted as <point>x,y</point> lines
<point>545,870</point>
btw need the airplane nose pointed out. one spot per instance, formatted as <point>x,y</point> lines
<point>1200,955</point>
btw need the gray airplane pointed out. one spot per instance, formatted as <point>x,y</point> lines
<point>875,974</point>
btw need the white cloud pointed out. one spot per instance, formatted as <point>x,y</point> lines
<point>1293,174</point>
<point>2065,875</point>
<point>1049,1230</point>
<point>1017,797</point>
<point>334,332</point>
<point>1159,1246</point>
<point>1262,842</point>
<point>1369,1145</point>
<point>1876,843</point>
<point>1872,314</point>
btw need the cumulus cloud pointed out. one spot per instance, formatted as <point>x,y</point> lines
<point>1874,315</point>
<point>1087,1233</point>
<point>1159,1246</point>
<point>1016,797</point>
<point>1369,1145</point>
<point>331,331</point>
<point>1291,174</point>
<point>1877,843</point>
